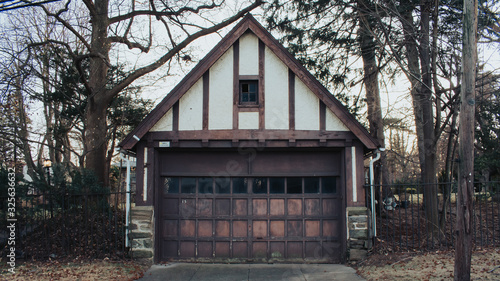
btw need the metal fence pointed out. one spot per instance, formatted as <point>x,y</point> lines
<point>58,224</point>
<point>402,224</point>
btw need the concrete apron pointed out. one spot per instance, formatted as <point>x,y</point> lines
<point>250,272</point>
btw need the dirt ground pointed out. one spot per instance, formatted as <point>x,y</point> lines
<point>398,266</point>
<point>427,266</point>
<point>76,270</point>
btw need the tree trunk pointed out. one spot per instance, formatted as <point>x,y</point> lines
<point>98,98</point>
<point>371,71</point>
<point>465,212</point>
<point>429,169</point>
<point>95,138</point>
<point>421,82</point>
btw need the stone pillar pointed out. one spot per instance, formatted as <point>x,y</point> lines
<point>142,232</point>
<point>359,233</point>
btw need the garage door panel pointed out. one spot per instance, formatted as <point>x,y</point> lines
<point>260,229</point>
<point>240,250</point>
<point>295,207</point>
<point>294,229</point>
<point>313,250</point>
<point>240,207</point>
<point>169,228</point>
<point>312,207</point>
<point>240,228</point>
<point>312,228</point>
<point>188,208</point>
<point>277,228</point>
<point>330,228</point>
<point>205,228</point>
<point>277,207</point>
<point>294,250</point>
<point>204,207</point>
<point>187,249</point>
<point>331,250</point>
<point>331,207</point>
<point>171,206</point>
<point>259,249</point>
<point>222,207</point>
<point>188,228</point>
<point>259,207</point>
<point>222,229</point>
<point>274,221</point>
<point>222,249</point>
<point>169,249</point>
<point>205,249</point>
<point>277,250</point>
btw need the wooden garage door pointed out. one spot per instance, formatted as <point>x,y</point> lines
<point>250,219</point>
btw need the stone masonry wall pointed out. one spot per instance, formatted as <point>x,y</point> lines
<point>141,232</point>
<point>359,237</point>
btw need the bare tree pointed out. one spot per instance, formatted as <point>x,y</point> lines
<point>465,212</point>
<point>106,27</point>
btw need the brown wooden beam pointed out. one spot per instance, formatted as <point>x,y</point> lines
<point>262,53</point>
<point>206,85</point>
<point>291,99</point>
<point>253,135</point>
<point>236,82</point>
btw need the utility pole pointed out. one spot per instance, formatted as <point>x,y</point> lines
<point>465,213</point>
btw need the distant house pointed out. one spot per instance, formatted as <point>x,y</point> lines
<point>250,158</point>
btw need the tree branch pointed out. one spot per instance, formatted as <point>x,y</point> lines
<point>66,24</point>
<point>163,13</point>
<point>177,48</point>
<point>130,45</point>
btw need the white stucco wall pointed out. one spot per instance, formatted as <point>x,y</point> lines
<point>248,120</point>
<point>165,123</point>
<point>191,108</point>
<point>249,54</point>
<point>306,107</point>
<point>276,92</point>
<point>333,123</point>
<point>220,101</point>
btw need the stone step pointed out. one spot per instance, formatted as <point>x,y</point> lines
<point>139,235</point>
<point>142,254</point>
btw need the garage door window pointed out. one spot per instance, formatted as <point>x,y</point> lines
<point>240,185</point>
<point>188,185</point>
<point>171,185</point>
<point>311,185</point>
<point>277,185</point>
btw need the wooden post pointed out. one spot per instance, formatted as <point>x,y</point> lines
<point>464,227</point>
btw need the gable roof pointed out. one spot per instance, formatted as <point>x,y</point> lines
<point>249,23</point>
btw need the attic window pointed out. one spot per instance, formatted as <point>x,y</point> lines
<point>249,94</point>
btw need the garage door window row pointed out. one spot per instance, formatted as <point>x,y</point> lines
<point>257,185</point>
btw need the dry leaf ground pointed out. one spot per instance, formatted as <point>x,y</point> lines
<point>428,266</point>
<point>74,270</point>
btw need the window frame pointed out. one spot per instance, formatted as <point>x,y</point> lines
<point>241,93</point>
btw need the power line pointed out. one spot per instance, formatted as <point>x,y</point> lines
<point>7,5</point>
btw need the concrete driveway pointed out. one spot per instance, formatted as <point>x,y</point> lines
<point>250,272</point>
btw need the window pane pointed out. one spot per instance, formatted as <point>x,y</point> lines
<point>252,97</point>
<point>222,185</point>
<point>259,185</point>
<point>294,185</point>
<point>244,87</point>
<point>311,185</point>
<point>240,185</point>
<point>205,185</point>
<point>244,97</point>
<point>276,185</point>
<point>253,87</point>
<point>171,185</point>
<point>188,185</point>
<point>329,185</point>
